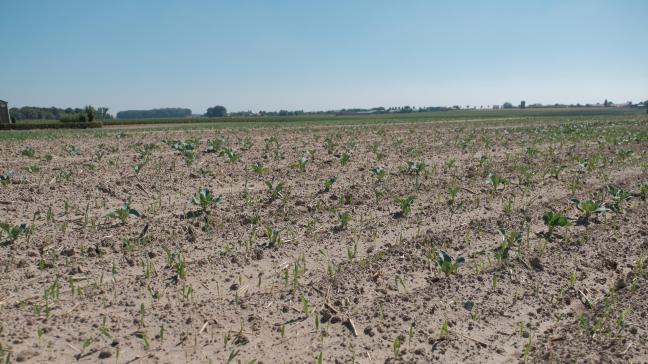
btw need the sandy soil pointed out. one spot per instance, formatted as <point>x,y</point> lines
<point>177,284</point>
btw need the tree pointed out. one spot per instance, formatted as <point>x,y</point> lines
<point>216,111</point>
<point>154,113</point>
<point>91,113</point>
<point>522,104</point>
<point>507,105</point>
<point>102,113</point>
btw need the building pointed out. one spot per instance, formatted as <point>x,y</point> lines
<point>4,113</point>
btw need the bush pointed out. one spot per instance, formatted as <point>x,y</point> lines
<point>51,125</point>
<point>74,118</point>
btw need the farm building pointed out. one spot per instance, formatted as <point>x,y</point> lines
<point>4,113</point>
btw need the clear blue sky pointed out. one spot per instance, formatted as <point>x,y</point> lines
<point>301,54</point>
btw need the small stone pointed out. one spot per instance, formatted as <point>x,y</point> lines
<point>67,252</point>
<point>26,355</point>
<point>105,354</point>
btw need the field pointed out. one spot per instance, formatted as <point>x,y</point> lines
<point>511,238</point>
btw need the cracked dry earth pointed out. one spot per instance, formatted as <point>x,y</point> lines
<point>280,279</point>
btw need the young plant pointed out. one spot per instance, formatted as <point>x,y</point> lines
<point>205,199</point>
<point>123,213</point>
<point>497,181</point>
<point>232,155</point>
<point>72,150</point>
<point>379,172</point>
<point>275,191</point>
<point>273,235</point>
<point>396,347</point>
<point>510,240</point>
<point>554,171</point>
<point>137,167</point>
<point>452,194</point>
<point>344,159</point>
<point>406,205</point>
<point>28,152</point>
<point>259,168</point>
<point>301,164</point>
<point>344,218</point>
<point>643,191</point>
<point>415,168</point>
<point>5,179</point>
<point>619,196</point>
<point>13,231</point>
<point>587,208</point>
<point>215,146</point>
<point>328,183</point>
<point>447,264</point>
<point>553,220</point>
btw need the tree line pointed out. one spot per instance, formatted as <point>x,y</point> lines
<point>171,112</point>
<point>54,113</point>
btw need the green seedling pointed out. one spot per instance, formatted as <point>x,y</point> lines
<point>447,264</point>
<point>72,150</point>
<point>187,149</point>
<point>137,167</point>
<point>344,159</point>
<point>553,220</point>
<point>6,178</point>
<point>328,183</point>
<point>415,168</point>
<point>259,168</point>
<point>28,152</point>
<point>344,218</point>
<point>329,145</point>
<point>215,146</point>
<point>246,143</point>
<point>510,240</point>
<point>554,171</point>
<point>643,191</point>
<point>301,164</point>
<point>13,231</point>
<point>189,156</point>
<point>619,196</point>
<point>273,235</point>
<point>496,181</point>
<point>396,347</point>
<point>587,208</point>
<point>179,265</point>
<point>406,205</point>
<point>123,213</point>
<point>445,330</point>
<point>452,194</point>
<point>205,199</point>
<point>379,172</point>
<point>232,155</point>
<point>275,191</point>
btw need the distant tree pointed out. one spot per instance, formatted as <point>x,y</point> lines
<point>102,113</point>
<point>606,103</point>
<point>216,111</point>
<point>507,105</point>
<point>154,113</point>
<point>44,113</point>
<point>522,104</point>
<point>90,112</point>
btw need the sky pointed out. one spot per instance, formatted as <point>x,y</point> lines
<point>320,55</point>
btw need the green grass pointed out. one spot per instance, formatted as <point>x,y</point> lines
<point>441,115</point>
<point>463,118</point>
